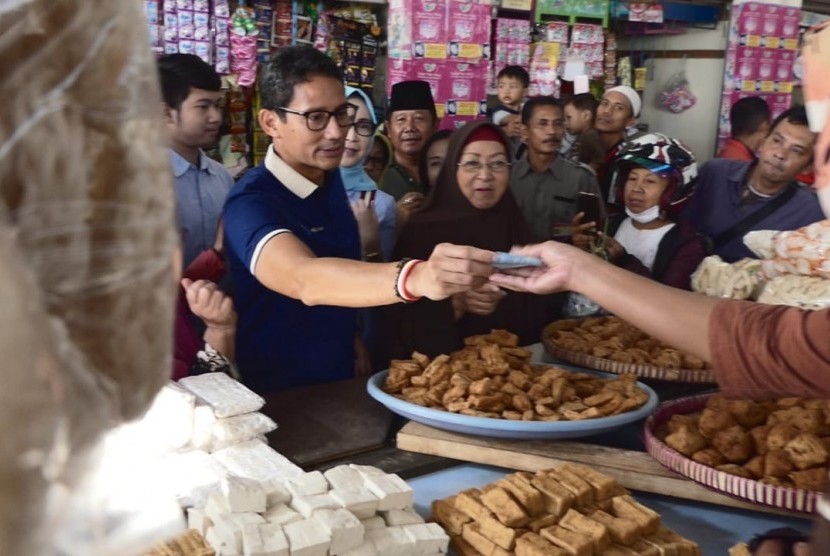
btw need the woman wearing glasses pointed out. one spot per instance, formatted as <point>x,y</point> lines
<point>470,204</point>
<point>373,209</point>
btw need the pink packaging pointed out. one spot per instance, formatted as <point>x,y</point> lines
<point>784,65</point>
<point>789,23</point>
<point>468,22</point>
<point>557,31</point>
<point>429,21</point>
<point>396,71</point>
<point>771,20</point>
<point>464,81</point>
<point>767,64</point>
<point>455,122</point>
<point>750,19</point>
<point>746,62</point>
<point>503,29</point>
<point>431,71</point>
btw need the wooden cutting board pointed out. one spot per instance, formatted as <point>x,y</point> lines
<point>632,469</point>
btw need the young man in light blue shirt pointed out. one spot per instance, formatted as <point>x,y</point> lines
<point>192,95</point>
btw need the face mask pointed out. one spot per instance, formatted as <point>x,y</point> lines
<point>648,215</point>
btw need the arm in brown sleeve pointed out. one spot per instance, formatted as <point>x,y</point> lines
<point>762,351</point>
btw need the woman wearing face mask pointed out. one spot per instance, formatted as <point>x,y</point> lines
<point>654,176</point>
<point>374,210</point>
<point>471,204</point>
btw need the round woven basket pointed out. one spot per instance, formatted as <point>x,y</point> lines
<point>794,499</point>
<point>702,376</point>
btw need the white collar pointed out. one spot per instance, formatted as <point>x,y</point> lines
<point>295,182</point>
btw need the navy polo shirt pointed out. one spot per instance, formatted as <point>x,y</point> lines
<point>716,206</point>
<point>281,342</point>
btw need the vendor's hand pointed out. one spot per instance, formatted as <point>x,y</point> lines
<point>367,225</point>
<point>582,234</point>
<point>450,269</point>
<point>612,247</point>
<point>210,304</point>
<point>482,300</point>
<point>560,261</point>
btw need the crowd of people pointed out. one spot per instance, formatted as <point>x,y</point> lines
<point>360,240</point>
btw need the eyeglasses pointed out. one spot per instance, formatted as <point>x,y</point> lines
<point>365,128</point>
<point>317,120</point>
<point>474,166</point>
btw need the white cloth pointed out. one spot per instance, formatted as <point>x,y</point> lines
<point>642,244</point>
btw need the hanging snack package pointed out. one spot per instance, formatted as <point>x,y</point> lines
<point>677,96</point>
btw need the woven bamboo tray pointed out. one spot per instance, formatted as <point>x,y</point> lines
<point>793,499</point>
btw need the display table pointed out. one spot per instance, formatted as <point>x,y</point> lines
<point>714,528</point>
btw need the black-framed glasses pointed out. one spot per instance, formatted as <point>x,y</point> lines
<point>317,120</point>
<point>365,128</point>
<point>474,166</point>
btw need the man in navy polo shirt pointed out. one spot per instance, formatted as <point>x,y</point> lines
<point>728,191</point>
<point>292,242</point>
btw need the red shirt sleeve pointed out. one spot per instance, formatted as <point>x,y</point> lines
<point>763,351</point>
<point>209,265</point>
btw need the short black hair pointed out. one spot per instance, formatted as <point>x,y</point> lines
<point>516,72</point>
<point>584,101</point>
<point>747,115</point>
<point>178,73</point>
<point>289,67</point>
<point>796,115</point>
<point>533,102</point>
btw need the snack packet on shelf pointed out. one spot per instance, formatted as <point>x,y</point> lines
<point>805,251</point>
<point>716,278</point>
<point>806,292</point>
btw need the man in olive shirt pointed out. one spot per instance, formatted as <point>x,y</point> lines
<point>545,184</point>
<point>410,122</point>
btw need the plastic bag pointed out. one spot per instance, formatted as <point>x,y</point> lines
<point>578,306</point>
<point>677,95</point>
<point>804,251</point>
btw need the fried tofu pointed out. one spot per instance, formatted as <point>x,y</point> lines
<point>621,530</point>
<point>531,544</point>
<point>576,544</point>
<point>469,502</point>
<point>506,508</point>
<point>603,485</point>
<point>531,499</point>
<point>557,498</point>
<point>472,534</point>
<point>579,523</point>
<point>449,517</point>
<point>628,508</point>
<point>577,485</point>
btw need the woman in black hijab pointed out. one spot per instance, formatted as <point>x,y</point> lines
<point>471,204</point>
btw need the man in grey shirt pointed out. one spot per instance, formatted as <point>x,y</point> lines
<point>544,183</point>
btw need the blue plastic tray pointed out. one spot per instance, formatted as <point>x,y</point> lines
<point>505,428</point>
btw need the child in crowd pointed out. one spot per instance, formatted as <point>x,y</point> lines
<point>586,147</point>
<point>513,82</point>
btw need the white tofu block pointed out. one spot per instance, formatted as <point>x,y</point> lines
<point>281,514</point>
<point>243,494</point>
<point>307,538</point>
<point>374,522</point>
<point>275,492</point>
<point>365,549</point>
<point>228,531</point>
<point>306,505</point>
<point>392,541</point>
<point>406,516</point>
<point>239,428</point>
<point>203,420</point>
<point>192,476</point>
<point>256,460</point>
<point>226,396</point>
<point>392,491</point>
<point>360,501</point>
<point>343,527</point>
<point>169,420</point>
<point>429,538</point>
<point>344,476</point>
<point>197,519</point>
<point>274,541</point>
<point>308,484</point>
<point>252,544</point>
<point>247,518</point>
<point>212,538</point>
<point>217,505</point>
<point>366,470</point>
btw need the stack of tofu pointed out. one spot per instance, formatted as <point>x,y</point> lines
<point>247,499</point>
<point>571,510</point>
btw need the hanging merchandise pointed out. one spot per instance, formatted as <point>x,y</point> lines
<point>624,71</point>
<point>545,59</point>
<point>282,24</point>
<point>587,45</point>
<point>243,39</point>
<point>353,45</point>
<point>677,95</point>
<point>512,47</point>
<point>760,55</point>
